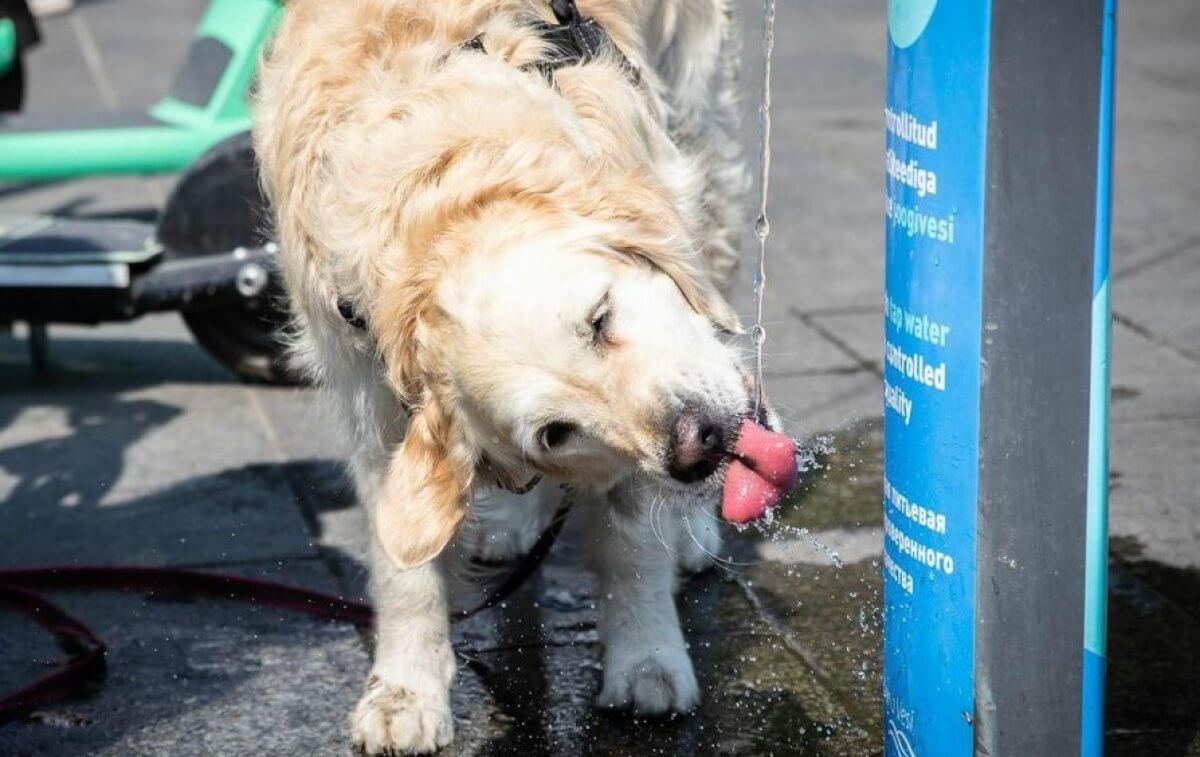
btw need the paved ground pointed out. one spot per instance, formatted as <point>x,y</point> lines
<point>138,448</point>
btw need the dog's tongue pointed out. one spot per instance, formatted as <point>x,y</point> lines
<point>761,474</point>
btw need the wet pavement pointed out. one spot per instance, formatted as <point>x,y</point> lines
<point>137,448</point>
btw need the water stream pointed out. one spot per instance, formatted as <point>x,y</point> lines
<point>762,230</point>
<point>762,226</point>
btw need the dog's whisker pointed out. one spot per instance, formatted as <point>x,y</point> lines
<point>719,522</point>
<point>656,507</point>
<point>709,515</point>
<point>644,488</point>
<point>722,562</point>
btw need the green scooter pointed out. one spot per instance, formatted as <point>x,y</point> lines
<point>210,254</point>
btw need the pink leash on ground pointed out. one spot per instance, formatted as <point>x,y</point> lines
<point>19,589</point>
<point>86,649</point>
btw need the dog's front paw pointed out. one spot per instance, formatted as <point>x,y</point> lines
<point>660,683</point>
<point>393,720</point>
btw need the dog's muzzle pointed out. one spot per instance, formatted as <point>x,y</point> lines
<point>699,443</point>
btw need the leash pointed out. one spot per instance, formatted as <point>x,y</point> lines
<point>20,587</point>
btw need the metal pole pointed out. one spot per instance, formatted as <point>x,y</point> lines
<point>998,127</point>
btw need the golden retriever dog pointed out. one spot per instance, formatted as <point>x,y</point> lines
<point>504,263</point>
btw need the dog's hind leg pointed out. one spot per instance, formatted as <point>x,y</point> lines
<point>646,663</point>
<point>503,526</point>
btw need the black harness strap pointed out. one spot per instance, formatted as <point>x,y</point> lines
<point>350,315</point>
<point>576,39</point>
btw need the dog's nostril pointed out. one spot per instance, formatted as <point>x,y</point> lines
<point>697,446</point>
<point>711,437</point>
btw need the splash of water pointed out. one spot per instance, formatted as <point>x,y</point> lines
<point>817,544</point>
<point>810,454</point>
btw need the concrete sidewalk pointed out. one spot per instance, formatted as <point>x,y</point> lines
<point>137,448</point>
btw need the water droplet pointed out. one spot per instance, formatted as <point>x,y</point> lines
<point>762,227</point>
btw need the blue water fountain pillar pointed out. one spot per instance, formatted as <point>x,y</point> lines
<point>998,127</point>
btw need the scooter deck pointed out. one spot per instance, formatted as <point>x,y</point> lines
<point>93,270</point>
<point>66,269</point>
<point>52,241</point>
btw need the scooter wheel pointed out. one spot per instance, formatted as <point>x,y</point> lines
<point>243,341</point>
<point>216,207</point>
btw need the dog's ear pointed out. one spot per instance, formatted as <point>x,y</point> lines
<point>696,289</point>
<point>705,298</point>
<point>426,491</point>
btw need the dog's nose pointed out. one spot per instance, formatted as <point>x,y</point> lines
<point>697,445</point>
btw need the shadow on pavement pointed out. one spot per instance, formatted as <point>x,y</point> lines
<point>1153,702</point>
<point>95,468</point>
<point>192,677</point>
<point>182,671</point>
<point>100,366</point>
<point>75,471</point>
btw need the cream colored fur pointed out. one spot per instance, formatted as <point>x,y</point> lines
<point>484,222</point>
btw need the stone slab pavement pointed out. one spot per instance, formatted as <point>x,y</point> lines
<point>137,448</point>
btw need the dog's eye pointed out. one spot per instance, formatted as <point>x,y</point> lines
<point>600,319</point>
<point>599,323</point>
<point>555,434</point>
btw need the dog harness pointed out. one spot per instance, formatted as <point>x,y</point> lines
<point>574,40</point>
